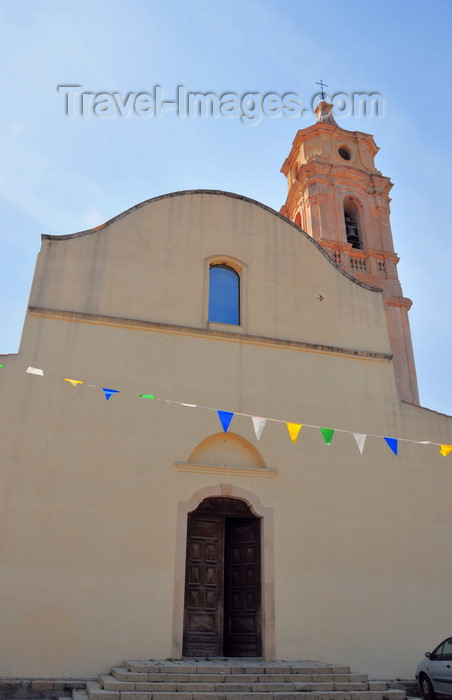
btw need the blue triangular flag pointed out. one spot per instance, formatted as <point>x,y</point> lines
<point>225,419</point>
<point>109,392</point>
<point>393,444</point>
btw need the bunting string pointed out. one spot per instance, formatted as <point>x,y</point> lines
<point>260,422</point>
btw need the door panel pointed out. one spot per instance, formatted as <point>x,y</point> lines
<point>204,587</point>
<point>242,596</point>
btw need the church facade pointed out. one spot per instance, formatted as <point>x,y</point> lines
<point>211,440</point>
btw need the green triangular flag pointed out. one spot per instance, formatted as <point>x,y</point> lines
<point>327,435</point>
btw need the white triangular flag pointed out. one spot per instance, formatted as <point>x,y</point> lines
<point>35,370</point>
<point>259,425</point>
<point>360,440</point>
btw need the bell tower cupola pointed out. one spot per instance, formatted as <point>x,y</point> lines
<point>338,197</point>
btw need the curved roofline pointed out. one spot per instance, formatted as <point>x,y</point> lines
<point>233,195</point>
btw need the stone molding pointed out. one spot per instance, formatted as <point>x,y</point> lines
<point>97,319</point>
<point>262,472</point>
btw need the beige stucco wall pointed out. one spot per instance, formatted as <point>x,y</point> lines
<point>151,264</point>
<point>90,489</point>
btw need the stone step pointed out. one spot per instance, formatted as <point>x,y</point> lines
<point>231,691</point>
<point>231,683</point>
<point>122,674</point>
<point>238,679</point>
<point>255,694</point>
<point>234,667</point>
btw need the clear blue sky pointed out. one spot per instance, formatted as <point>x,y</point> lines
<point>60,175</point>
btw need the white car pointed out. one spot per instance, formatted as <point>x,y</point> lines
<point>434,673</point>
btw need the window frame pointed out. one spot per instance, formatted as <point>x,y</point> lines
<point>240,269</point>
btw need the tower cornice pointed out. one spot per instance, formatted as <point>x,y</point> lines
<point>327,130</point>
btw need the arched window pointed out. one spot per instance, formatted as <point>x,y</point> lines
<point>352,224</point>
<point>224,295</point>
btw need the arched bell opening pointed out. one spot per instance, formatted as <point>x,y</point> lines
<point>352,221</point>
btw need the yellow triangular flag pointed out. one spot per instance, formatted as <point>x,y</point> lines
<point>445,449</point>
<point>294,429</point>
<point>74,382</point>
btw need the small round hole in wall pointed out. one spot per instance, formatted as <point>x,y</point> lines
<point>344,153</point>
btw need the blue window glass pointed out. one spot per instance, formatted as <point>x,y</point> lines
<point>224,295</point>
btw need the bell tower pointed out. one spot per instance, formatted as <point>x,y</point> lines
<point>338,197</point>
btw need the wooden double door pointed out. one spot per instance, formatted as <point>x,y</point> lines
<point>223,581</point>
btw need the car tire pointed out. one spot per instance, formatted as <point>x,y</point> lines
<point>427,690</point>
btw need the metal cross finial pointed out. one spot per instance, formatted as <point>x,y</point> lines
<point>322,85</point>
